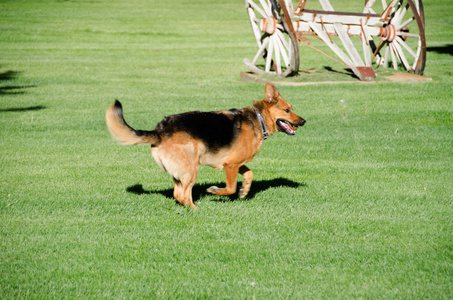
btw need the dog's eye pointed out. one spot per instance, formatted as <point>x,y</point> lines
<point>287,110</point>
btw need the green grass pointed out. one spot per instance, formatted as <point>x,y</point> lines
<point>357,205</point>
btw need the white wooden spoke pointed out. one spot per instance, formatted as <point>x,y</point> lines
<point>261,50</point>
<point>266,6</point>
<point>408,49</point>
<point>283,51</point>
<point>348,45</point>
<point>407,22</point>
<point>396,10</point>
<point>378,59</point>
<point>289,6</point>
<point>384,4</point>
<point>402,33</point>
<point>391,6</point>
<point>389,9</point>
<point>277,54</point>
<point>279,27</point>
<point>396,16</point>
<point>403,13</point>
<point>401,55</point>
<point>326,5</point>
<point>370,3</point>
<point>397,6</point>
<point>392,53</point>
<point>270,51</point>
<point>419,47</point>
<point>417,5</point>
<point>320,32</point>
<point>368,7</point>
<point>366,52</point>
<point>252,16</point>
<point>366,46</point>
<point>399,16</point>
<point>255,26</point>
<point>386,57</point>
<point>285,42</point>
<point>257,8</point>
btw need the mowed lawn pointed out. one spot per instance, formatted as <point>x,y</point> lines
<point>358,204</point>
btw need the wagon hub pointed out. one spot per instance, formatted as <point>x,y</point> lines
<point>388,33</point>
<point>268,25</point>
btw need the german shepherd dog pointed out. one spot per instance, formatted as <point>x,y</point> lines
<point>226,139</point>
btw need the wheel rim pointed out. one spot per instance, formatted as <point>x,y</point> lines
<point>275,43</point>
<point>402,41</point>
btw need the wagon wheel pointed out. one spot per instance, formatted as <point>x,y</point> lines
<point>402,38</point>
<point>275,36</point>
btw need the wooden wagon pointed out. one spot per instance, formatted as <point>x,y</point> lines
<point>390,33</point>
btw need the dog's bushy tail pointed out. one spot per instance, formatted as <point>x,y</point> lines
<point>125,134</point>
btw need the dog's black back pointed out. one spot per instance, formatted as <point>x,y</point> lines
<point>216,129</point>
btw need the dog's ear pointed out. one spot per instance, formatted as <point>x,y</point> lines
<point>271,93</point>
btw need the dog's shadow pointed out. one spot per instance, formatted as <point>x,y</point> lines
<point>199,190</point>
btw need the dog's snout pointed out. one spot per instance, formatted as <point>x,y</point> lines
<point>302,122</point>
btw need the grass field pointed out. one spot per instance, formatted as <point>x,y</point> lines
<point>357,205</point>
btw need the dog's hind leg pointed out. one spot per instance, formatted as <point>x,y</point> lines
<point>231,172</point>
<point>187,190</point>
<point>181,162</point>
<point>183,191</point>
<point>177,191</point>
<point>247,183</point>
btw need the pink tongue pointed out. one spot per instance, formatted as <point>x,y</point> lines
<point>287,128</point>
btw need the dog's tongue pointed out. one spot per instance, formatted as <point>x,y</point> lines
<point>287,128</point>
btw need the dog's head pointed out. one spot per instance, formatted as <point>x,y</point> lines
<point>278,114</point>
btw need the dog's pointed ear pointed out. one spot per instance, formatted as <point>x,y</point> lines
<point>271,93</point>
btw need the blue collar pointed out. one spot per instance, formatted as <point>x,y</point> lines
<point>263,125</point>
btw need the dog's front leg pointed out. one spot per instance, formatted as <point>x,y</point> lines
<point>231,172</point>
<point>247,183</point>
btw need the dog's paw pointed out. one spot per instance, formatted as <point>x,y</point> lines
<point>213,189</point>
<point>243,193</point>
<point>220,191</point>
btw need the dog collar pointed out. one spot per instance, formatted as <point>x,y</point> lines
<point>263,125</point>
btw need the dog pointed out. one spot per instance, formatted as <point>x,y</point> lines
<point>226,139</point>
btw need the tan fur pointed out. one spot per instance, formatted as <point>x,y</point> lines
<point>124,134</point>
<point>180,154</point>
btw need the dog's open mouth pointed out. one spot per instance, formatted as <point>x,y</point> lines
<point>286,127</point>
